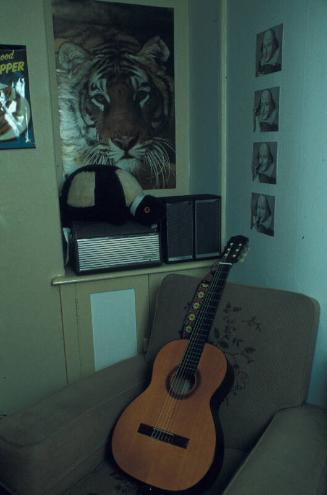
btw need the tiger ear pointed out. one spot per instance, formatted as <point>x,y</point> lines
<point>71,57</point>
<point>155,51</point>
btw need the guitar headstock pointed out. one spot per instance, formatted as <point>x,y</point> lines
<point>236,249</point>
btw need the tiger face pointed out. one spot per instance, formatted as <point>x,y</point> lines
<point>116,108</point>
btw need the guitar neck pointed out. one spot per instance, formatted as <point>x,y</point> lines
<point>206,304</point>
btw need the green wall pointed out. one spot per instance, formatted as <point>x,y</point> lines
<point>205,111</point>
<point>31,341</point>
<point>294,258</point>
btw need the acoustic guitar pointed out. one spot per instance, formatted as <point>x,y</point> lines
<point>166,438</point>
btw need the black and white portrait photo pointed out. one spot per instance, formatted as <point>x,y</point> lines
<point>264,162</point>
<point>262,213</point>
<point>266,110</point>
<point>269,51</point>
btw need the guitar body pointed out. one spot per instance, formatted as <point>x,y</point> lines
<point>166,438</point>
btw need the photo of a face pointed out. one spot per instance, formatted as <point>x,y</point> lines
<point>262,213</point>
<point>264,162</point>
<point>266,110</point>
<point>269,51</point>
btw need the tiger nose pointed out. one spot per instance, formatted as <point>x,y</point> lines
<point>125,142</point>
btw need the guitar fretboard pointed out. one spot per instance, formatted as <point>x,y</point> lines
<point>199,320</point>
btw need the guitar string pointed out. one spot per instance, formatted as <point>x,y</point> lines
<point>200,335</point>
<point>223,265</point>
<point>196,335</point>
<point>178,385</point>
<point>166,410</point>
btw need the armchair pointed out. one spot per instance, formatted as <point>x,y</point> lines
<point>275,443</point>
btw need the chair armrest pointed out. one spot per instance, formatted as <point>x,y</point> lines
<point>290,457</point>
<point>50,446</point>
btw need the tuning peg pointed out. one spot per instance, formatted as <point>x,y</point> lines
<point>244,254</point>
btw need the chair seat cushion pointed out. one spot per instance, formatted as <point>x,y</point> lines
<point>106,478</point>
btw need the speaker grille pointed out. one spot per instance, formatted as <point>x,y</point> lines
<point>179,230</point>
<point>104,253</point>
<point>207,228</point>
<point>100,246</point>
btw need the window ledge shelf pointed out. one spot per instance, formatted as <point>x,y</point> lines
<point>71,277</point>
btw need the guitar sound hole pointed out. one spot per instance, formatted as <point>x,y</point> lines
<point>181,385</point>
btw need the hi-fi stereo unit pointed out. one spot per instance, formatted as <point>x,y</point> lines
<point>191,229</point>
<point>101,246</point>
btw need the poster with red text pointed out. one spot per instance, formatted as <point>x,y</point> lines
<point>16,127</point>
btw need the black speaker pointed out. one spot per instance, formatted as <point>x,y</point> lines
<point>207,220</point>
<point>177,233</point>
<point>191,229</point>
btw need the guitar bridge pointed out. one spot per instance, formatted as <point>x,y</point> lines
<point>163,435</point>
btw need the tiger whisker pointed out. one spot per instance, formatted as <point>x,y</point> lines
<point>158,161</point>
<point>154,170</point>
<point>164,144</point>
<point>161,163</point>
<point>160,170</point>
<point>165,157</point>
<point>98,155</point>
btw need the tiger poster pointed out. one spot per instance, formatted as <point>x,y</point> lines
<point>16,127</point>
<point>115,79</point>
